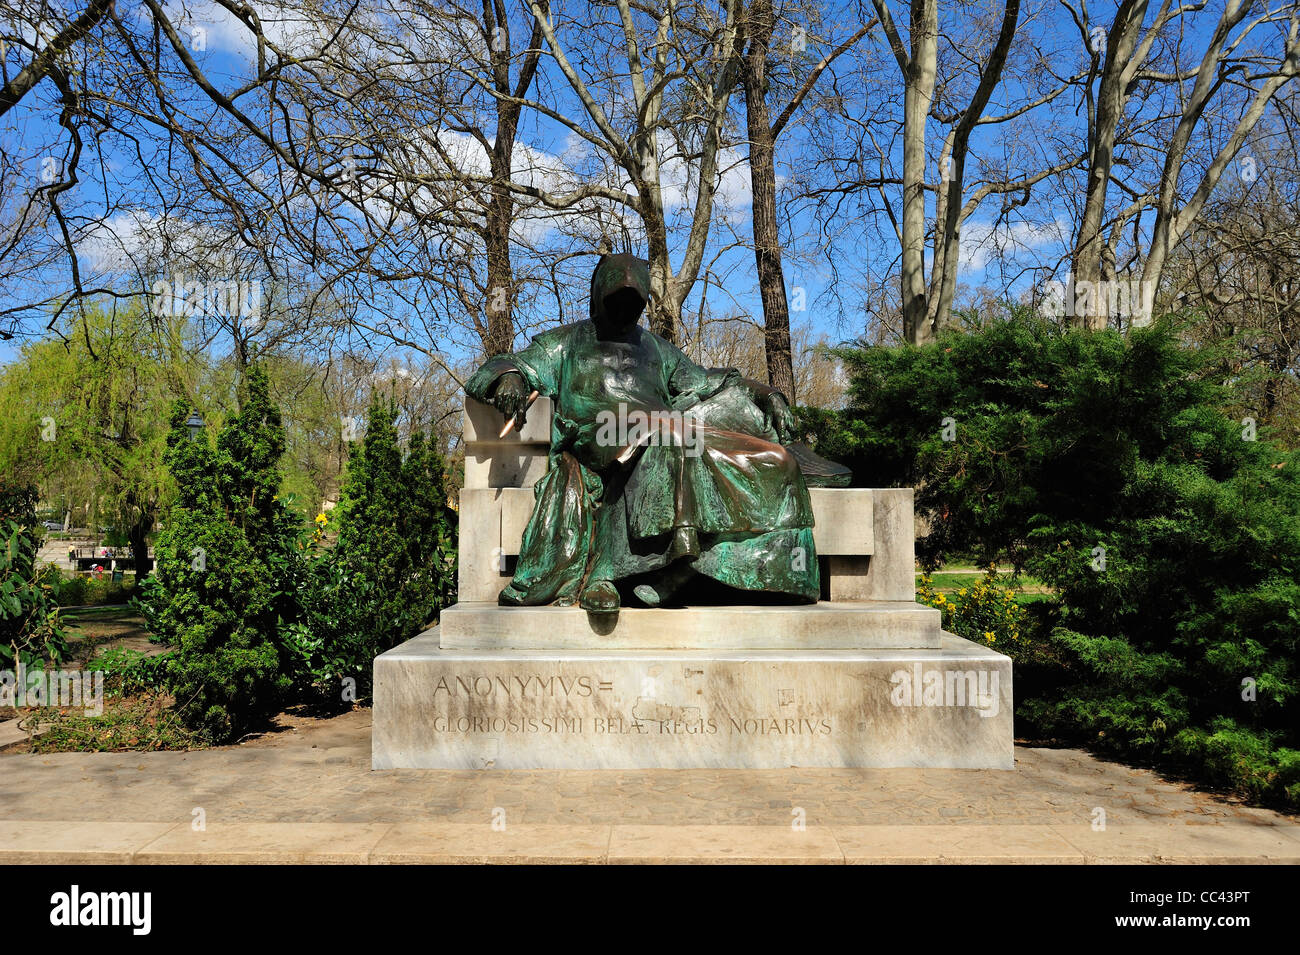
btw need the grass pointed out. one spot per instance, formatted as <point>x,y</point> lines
<point>95,610</point>
<point>80,591</point>
<point>140,723</point>
<point>949,580</point>
<point>91,629</point>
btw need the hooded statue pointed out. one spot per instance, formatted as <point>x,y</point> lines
<point>660,472</point>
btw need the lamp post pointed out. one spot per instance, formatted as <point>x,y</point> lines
<point>195,424</point>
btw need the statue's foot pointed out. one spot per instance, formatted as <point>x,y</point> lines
<point>648,595</point>
<point>600,596</point>
<point>509,597</point>
<point>686,543</point>
<point>660,588</point>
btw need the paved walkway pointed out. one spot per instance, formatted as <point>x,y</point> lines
<point>307,794</point>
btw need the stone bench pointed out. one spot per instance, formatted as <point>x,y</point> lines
<point>864,536</point>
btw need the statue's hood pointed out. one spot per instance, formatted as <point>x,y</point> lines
<point>616,272</point>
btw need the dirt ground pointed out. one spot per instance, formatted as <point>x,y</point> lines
<point>92,632</point>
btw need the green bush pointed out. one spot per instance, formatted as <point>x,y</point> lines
<point>30,630</point>
<point>227,560</point>
<point>392,567</point>
<point>72,589</point>
<point>129,672</point>
<point>1109,469</point>
<point>79,590</point>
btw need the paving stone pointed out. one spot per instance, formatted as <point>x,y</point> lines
<point>77,804</point>
<point>444,843</point>
<point>276,843</point>
<point>1183,845</point>
<point>55,842</point>
<point>967,844</point>
<point>722,844</point>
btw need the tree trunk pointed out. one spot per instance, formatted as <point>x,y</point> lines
<point>1121,42</point>
<point>917,96</point>
<point>665,306</point>
<point>948,208</point>
<point>500,328</point>
<point>499,332</point>
<point>1171,223</point>
<point>138,537</point>
<point>762,175</point>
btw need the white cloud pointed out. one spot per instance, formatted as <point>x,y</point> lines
<point>207,27</point>
<point>679,181</point>
<point>138,241</point>
<point>981,242</point>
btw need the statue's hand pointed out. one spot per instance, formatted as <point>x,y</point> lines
<point>777,411</point>
<point>510,396</point>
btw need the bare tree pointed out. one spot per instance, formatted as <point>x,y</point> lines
<point>1236,276</point>
<point>1170,113</point>
<point>763,133</point>
<point>667,53</point>
<point>1172,218</point>
<point>918,66</point>
<point>947,94</point>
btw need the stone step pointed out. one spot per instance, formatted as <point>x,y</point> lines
<point>828,625</point>
<point>104,840</point>
<point>436,708</point>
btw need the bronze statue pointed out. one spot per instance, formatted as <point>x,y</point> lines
<point>660,471</point>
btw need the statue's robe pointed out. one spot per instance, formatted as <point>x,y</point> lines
<point>732,502</point>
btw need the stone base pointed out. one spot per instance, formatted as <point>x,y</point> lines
<point>946,707</point>
<point>481,625</point>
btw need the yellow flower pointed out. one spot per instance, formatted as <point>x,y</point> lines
<point>321,519</point>
<point>988,635</point>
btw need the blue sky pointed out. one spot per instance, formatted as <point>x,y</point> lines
<point>864,248</point>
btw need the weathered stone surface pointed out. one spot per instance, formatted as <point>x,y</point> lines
<point>480,567</point>
<point>722,845</point>
<point>482,424</point>
<point>889,572</point>
<point>509,467</point>
<point>481,625</point>
<point>515,461</point>
<point>761,709</point>
<point>266,843</point>
<point>508,842</point>
<point>845,522</point>
<point>844,517</point>
<point>970,844</point>
<point>75,843</point>
<point>1184,845</point>
<point>80,808</point>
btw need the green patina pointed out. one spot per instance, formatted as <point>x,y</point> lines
<point>712,490</point>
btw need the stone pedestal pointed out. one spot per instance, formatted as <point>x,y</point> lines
<point>864,678</point>
<point>843,690</point>
<point>480,625</point>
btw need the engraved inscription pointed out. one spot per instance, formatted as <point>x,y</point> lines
<point>644,717</point>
